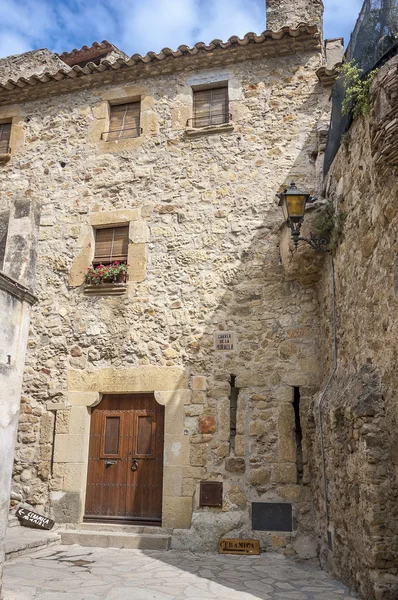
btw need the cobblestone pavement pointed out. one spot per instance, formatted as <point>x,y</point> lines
<point>76,573</point>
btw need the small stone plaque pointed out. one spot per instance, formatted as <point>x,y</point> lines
<point>29,518</point>
<point>236,546</point>
<point>224,341</point>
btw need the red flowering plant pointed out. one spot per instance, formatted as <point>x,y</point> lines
<point>115,272</point>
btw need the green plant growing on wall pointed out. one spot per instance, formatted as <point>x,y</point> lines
<point>329,223</point>
<point>357,89</point>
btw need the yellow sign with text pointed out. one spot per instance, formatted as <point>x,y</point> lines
<point>239,547</point>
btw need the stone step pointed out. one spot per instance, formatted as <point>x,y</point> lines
<point>117,528</point>
<point>115,539</point>
<point>22,540</point>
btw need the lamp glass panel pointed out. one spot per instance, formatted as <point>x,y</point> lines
<point>284,208</point>
<point>296,206</point>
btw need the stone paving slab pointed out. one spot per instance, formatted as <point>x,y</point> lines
<point>77,573</point>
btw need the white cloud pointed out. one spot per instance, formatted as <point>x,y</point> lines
<point>143,25</point>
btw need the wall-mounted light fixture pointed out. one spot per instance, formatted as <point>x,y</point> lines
<point>293,203</point>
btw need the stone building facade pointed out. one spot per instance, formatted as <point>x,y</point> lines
<point>203,251</point>
<point>220,324</point>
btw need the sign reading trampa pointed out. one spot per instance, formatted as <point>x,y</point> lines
<point>224,341</point>
<point>236,546</point>
<point>32,519</point>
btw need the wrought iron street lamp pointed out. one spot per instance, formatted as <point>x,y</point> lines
<point>293,202</point>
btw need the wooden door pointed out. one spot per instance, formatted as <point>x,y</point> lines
<point>125,465</point>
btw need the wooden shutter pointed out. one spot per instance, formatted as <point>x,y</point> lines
<point>210,107</point>
<point>111,244</point>
<point>124,121</point>
<point>5,132</point>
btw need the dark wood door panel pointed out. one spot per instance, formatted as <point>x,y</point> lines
<point>125,470</point>
<point>146,475</point>
<point>107,465</point>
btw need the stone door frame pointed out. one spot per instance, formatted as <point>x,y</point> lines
<point>70,461</point>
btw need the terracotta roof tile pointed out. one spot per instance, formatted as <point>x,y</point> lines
<point>326,76</point>
<point>307,37</point>
<point>86,53</point>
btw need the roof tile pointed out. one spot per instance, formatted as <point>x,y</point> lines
<point>302,30</point>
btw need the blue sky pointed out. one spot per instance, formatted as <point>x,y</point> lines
<point>143,25</point>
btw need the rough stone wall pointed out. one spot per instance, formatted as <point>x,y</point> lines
<point>282,13</point>
<point>360,409</point>
<point>213,263</point>
<point>31,63</point>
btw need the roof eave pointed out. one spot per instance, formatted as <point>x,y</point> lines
<point>269,44</point>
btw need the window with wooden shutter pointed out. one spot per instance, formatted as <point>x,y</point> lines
<point>111,244</point>
<point>124,121</point>
<point>5,133</point>
<point>210,107</point>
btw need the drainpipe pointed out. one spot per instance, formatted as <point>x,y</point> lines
<point>322,396</point>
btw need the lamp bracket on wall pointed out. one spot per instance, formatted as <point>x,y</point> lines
<point>293,203</point>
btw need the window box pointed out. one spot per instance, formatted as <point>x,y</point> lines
<point>105,289</point>
<point>95,279</point>
<point>108,274</point>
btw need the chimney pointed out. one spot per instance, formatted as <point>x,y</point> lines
<point>281,13</point>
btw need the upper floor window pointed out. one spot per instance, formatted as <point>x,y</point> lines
<point>5,133</point>
<point>210,107</point>
<point>111,245</point>
<point>124,121</point>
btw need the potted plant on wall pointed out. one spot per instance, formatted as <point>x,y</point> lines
<point>115,272</point>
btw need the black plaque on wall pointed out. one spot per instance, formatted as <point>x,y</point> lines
<point>272,516</point>
<point>29,518</point>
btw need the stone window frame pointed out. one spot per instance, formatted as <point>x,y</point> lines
<point>209,129</point>
<point>16,135</point>
<point>136,255</point>
<point>123,95</point>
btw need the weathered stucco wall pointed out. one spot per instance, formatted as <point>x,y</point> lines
<point>19,238</point>
<point>13,337</point>
<point>205,237</point>
<point>360,409</point>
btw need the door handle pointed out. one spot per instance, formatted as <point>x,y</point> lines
<point>134,466</point>
<point>111,462</point>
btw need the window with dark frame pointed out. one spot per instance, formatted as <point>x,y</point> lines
<point>111,245</point>
<point>124,121</point>
<point>210,107</point>
<point>5,134</point>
